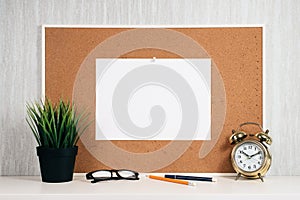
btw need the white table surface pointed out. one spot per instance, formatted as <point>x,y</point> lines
<point>31,187</point>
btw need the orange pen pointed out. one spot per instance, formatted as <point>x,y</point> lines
<point>171,180</point>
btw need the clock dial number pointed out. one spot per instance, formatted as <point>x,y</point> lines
<point>249,156</point>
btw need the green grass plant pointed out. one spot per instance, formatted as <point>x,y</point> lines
<point>56,125</point>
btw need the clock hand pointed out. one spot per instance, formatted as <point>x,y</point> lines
<point>246,154</point>
<point>254,154</point>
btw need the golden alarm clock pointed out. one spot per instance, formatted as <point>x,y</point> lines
<point>250,156</point>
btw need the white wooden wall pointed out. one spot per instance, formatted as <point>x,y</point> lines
<point>20,53</point>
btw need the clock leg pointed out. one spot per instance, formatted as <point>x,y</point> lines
<point>238,176</point>
<point>261,178</point>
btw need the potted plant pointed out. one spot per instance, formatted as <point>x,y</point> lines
<point>57,129</point>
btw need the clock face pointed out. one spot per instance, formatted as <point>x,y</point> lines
<point>249,156</point>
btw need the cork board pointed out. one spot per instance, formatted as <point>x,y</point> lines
<point>236,90</point>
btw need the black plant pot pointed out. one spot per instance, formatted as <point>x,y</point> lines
<point>57,165</point>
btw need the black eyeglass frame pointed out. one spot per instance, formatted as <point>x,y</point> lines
<point>116,171</point>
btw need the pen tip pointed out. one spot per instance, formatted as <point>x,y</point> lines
<point>214,180</point>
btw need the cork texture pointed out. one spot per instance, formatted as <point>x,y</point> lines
<point>236,55</point>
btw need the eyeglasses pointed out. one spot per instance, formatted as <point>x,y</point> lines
<point>104,175</point>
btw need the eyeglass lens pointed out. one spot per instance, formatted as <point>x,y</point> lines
<point>126,174</point>
<point>102,174</point>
